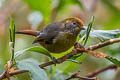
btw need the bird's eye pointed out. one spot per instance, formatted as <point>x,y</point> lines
<point>74,23</point>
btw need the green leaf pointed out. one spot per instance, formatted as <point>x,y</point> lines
<point>75,61</point>
<point>35,71</point>
<point>58,76</point>
<point>113,60</point>
<point>12,32</point>
<point>44,6</point>
<point>75,56</point>
<point>104,34</point>
<point>115,17</point>
<point>112,8</point>
<point>37,49</point>
<point>113,23</point>
<point>88,29</point>
<point>12,37</point>
<point>63,3</point>
<point>75,2</point>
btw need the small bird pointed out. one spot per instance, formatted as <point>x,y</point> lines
<point>58,36</point>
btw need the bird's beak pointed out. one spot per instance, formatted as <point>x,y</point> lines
<point>83,28</point>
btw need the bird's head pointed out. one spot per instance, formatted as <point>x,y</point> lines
<point>74,25</point>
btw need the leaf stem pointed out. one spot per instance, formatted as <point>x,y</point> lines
<point>12,56</point>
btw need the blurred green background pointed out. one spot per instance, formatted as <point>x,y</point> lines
<point>34,14</point>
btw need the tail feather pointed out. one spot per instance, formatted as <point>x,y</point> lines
<point>28,32</point>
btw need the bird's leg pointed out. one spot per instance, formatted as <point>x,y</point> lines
<point>54,60</point>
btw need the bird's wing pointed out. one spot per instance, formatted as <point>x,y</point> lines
<point>50,31</point>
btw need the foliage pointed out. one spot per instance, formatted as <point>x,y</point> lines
<point>12,31</point>
<point>113,60</point>
<point>63,3</point>
<point>103,35</point>
<point>12,37</point>
<point>88,29</point>
<point>37,49</point>
<point>115,20</point>
<point>44,6</point>
<point>35,72</point>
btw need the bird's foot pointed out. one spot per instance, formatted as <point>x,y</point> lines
<point>54,60</point>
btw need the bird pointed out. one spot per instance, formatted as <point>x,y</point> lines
<point>57,37</point>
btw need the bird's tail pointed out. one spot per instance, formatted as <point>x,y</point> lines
<point>28,32</point>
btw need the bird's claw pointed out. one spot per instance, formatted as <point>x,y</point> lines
<point>54,60</point>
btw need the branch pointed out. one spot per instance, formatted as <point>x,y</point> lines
<point>63,58</point>
<point>76,75</point>
<point>106,43</point>
<point>93,74</point>
<point>2,76</point>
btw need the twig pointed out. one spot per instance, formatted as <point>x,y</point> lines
<point>63,58</point>
<point>2,76</point>
<point>106,43</point>
<point>76,75</point>
<point>93,74</point>
<point>7,69</point>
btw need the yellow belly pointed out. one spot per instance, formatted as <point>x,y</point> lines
<point>61,44</point>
